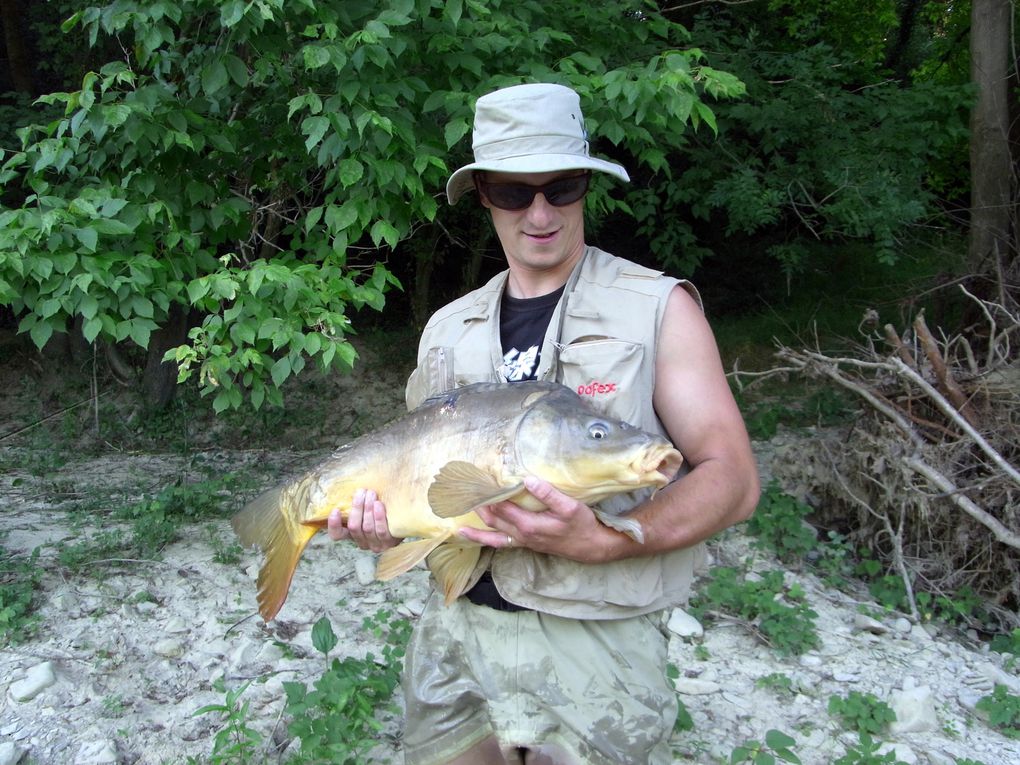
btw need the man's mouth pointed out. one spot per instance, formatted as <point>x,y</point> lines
<point>542,237</point>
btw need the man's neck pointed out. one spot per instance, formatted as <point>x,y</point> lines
<point>526,283</point>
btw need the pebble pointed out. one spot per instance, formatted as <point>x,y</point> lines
<point>692,686</point>
<point>97,753</point>
<point>903,626</point>
<point>11,753</point>
<point>914,708</point>
<point>684,625</point>
<point>169,648</point>
<point>865,623</point>
<point>175,626</point>
<point>810,660</point>
<point>36,680</point>
<point>364,567</point>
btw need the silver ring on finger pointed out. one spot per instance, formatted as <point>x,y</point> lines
<point>509,541</point>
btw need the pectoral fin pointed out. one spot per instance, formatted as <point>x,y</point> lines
<point>452,565</point>
<point>460,487</point>
<point>405,556</point>
<point>628,526</point>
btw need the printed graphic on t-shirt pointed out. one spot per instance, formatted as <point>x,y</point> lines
<point>518,366</point>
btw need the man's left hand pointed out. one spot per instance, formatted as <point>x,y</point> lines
<point>568,528</point>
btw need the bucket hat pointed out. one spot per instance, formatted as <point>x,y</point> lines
<point>535,128</point>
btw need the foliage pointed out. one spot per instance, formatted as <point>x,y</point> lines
<point>777,682</point>
<point>867,753</point>
<point>779,613</point>
<point>1008,644</point>
<point>1003,710</point>
<point>336,721</point>
<point>19,582</point>
<point>779,524</point>
<point>824,148</point>
<point>255,164</point>
<point>863,712</point>
<point>154,522</point>
<point>236,743</point>
<point>777,746</point>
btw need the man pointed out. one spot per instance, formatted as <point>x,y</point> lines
<point>557,654</point>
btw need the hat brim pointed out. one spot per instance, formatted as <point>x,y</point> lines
<point>463,180</point>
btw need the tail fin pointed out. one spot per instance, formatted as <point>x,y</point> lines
<point>266,522</point>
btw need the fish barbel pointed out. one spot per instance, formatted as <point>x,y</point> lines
<point>435,466</point>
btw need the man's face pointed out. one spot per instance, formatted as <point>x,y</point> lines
<point>541,238</point>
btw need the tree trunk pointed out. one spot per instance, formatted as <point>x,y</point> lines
<point>18,60</point>
<point>990,250</point>
<point>159,379</point>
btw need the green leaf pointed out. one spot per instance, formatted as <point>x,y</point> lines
<point>90,329</point>
<point>214,77</point>
<point>384,230</point>
<point>323,637</point>
<point>41,333</point>
<point>88,237</point>
<point>280,371</point>
<point>455,130</point>
<point>237,69</point>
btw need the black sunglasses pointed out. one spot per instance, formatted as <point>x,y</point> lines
<point>519,196</point>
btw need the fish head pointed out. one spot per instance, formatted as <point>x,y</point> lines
<point>588,455</point>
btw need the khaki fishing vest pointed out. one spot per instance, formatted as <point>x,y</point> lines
<point>601,343</point>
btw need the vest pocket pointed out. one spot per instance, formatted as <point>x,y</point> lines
<point>606,372</point>
<point>433,376</point>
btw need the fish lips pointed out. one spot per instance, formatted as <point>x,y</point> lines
<point>661,465</point>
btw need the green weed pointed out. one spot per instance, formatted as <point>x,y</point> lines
<point>778,683</point>
<point>337,719</point>
<point>19,585</point>
<point>236,743</point>
<point>776,747</point>
<point>684,722</point>
<point>779,525</point>
<point>862,712</point>
<point>1003,710</point>
<point>786,626</point>
<point>1009,645</point>
<point>867,753</point>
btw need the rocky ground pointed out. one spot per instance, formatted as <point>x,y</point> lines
<point>126,651</point>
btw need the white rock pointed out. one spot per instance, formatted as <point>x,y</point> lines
<point>998,677</point>
<point>914,708</point>
<point>169,648</point>
<point>919,634</point>
<point>865,623</point>
<point>846,677</point>
<point>176,626</point>
<point>684,625</point>
<point>903,753</point>
<point>364,567</point>
<point>11,753</point>
<point>903,626</point>
<point>692,686</point>
<point>97,753</point>
<point>36,680</point>
<point>939,758</point>
<point>810,660</point>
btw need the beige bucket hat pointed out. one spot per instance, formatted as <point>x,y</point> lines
<point>536,128</point>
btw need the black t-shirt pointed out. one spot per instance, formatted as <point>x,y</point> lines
<point>522,326</point>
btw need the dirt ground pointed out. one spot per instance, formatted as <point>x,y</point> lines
<point>128,650</point>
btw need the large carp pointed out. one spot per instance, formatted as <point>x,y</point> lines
<point>435,466</point>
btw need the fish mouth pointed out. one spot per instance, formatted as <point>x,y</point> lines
<point>661,465</point>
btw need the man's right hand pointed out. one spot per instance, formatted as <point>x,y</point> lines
<point>366,523</point>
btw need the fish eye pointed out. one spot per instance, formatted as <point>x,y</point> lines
<point>598,431</point>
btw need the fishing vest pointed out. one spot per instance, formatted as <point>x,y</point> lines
<point>601,343</point>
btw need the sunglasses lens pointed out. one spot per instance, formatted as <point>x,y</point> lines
<point>519,196</point>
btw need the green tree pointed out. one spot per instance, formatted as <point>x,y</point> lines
<point>245,171</point>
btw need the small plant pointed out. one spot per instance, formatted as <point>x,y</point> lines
<point>19,582</point>
<point>701,652</point>
<point>237,742</point>
<point>1003,710</point>
<point>1008,644</point>
<point>776,682</point>
<point>965,761</point>
<point>336,720</point>
<point>684,722</point>
<point>867,753</point>
<point>777,746</point>
<point>779,525</point>
<point>787,626</point>
<point>862,712</point>
<point>229,554</point>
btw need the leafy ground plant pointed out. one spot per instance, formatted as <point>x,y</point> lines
<point>862,712</point>
<point>786,626</point>
<point>1003,710</point>
<point>19,583</point>
<point>867,752</point>
<point>776,747</point>
<point>237,743</point>
<point>337,720</point>
<point>779,525</point>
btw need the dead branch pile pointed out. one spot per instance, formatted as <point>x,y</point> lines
<point>928,476</point>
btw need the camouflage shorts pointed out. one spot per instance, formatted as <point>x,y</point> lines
<point>591,692</point>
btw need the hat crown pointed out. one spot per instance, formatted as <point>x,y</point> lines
<point>528,119</point>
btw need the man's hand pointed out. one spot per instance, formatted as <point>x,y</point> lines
<point>568,528</point>
<point>366,523</point>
